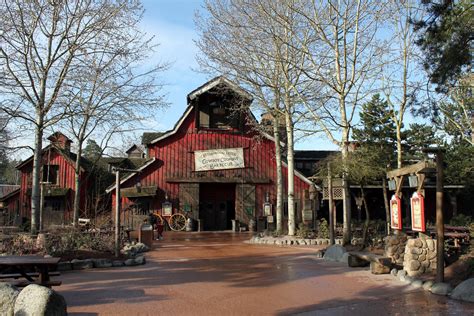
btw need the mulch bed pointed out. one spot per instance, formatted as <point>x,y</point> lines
<point>89,254</point>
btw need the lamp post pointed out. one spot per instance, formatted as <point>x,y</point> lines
<point>118,206</point>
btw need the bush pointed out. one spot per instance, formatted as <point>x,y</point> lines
<point>323,229</point>
<point>21,244</point>
<point>461,220</point>
<point>73,240</point>
<point>303,231</point>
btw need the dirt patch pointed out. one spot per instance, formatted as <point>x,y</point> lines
<point>460,270</point>
<point>89,254</point>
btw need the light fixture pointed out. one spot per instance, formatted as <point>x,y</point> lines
<point>392,185</point>
<point>413,181</point>
<point>139,186</point>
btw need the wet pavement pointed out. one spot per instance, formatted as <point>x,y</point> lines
<point>219,274</point>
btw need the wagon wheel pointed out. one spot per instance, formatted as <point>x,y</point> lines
<point>159,219</point>
<point>177,222</point>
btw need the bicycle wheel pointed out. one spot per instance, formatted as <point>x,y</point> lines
<point>177,222</point>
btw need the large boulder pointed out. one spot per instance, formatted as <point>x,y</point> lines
<point>82,264</point>
<point>8,295</point>
<point>441,288</point>
<point>334,253</point>
<point>464,291</point>
<point>102,263</point>
<point>39,300</point>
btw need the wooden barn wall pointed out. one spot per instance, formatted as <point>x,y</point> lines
<point>66,179</point>
<point>175,156</point>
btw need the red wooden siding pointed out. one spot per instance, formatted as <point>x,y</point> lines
<point>175,156</point>
<point>66,179</point>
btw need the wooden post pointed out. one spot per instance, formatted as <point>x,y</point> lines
<point>439,217</point>
<point>331,207</point>
<point>117,212</point>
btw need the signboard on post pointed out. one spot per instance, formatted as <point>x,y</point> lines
<point>218,159</point>
<point>417,202</point>
<point>396,212</point>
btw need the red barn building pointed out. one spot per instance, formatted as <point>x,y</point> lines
<point>57,176</point>
<point>212,164</point>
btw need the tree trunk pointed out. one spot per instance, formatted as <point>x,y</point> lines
<point>36,176</point>
<point>331,216</point>
<point>399,147</point>
<point>386,204</point>
<point>279,182</point>
<point>77,184</point>
<point>367,219</point>
<point>291,172</point>
<point>346,235</point>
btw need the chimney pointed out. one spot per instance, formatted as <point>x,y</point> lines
<point>59,140</point>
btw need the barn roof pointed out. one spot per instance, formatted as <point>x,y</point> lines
<point>219,81</point>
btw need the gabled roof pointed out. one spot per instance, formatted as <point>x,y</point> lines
<point>206,87</point>
<point>221,80</point>
<point>70,156</point>
<point>148,137</point>
<point>133,147</point>
<point>9,195</point>
<point>130,175</point>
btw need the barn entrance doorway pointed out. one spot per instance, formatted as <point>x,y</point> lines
<point>217,205</point>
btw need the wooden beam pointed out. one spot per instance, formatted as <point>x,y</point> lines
<point>219,180</point>
<point>420,167</point>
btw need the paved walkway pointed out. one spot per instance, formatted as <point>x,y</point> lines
<point>218,274</point>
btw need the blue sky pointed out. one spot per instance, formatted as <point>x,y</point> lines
<point>172,22</point>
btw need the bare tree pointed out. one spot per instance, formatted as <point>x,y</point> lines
<point>112,92</point>
<point>249,41</point>
<point>343,52</point>
<point>43,43</point>
<point>401,81</point>
<point>457,113</point>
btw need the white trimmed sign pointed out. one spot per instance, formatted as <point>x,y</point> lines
<point>216,159</point>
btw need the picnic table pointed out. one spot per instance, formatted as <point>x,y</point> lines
<point>30,269</point>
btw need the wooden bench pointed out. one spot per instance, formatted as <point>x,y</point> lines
<point>378,264</point>
<point>30,274</point>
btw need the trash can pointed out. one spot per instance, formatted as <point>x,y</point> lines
<point>189,225</point>
<point>200,225</point>
<point>145,234</point>
<point>235,225</point>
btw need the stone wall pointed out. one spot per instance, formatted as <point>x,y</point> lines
<point>395,248</point>
<point>420,256</point>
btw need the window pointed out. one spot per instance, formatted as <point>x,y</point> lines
<point>51,174</point>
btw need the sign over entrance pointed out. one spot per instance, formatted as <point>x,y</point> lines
<point>216,159</point>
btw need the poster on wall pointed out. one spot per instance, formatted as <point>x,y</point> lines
<point>396,212</point>
<point>167,209</point>
<point>217,159</point>
<point>417,202</point>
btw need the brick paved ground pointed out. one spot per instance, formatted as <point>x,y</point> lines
<point>218,274</point>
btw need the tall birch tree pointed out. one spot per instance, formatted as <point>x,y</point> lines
<point>249,41</point>
<point>42,43</point>
<point>343,51</point>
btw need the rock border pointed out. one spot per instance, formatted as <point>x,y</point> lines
<point>439,288</point>
<point>297,241</point>
<point>99,263</point>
